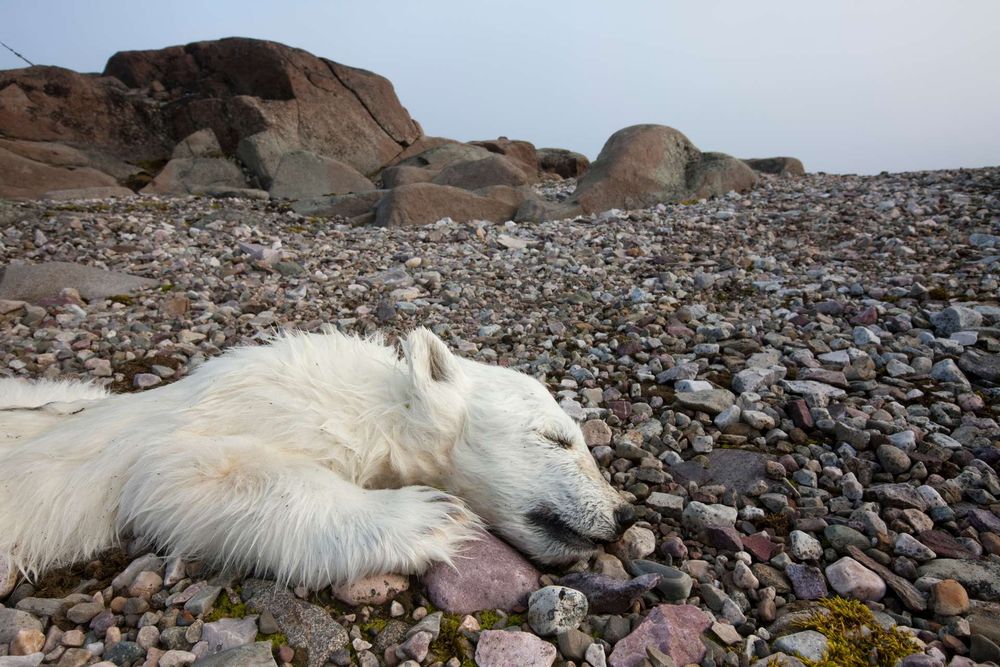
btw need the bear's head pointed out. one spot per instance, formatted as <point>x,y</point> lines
<point>518,460</point>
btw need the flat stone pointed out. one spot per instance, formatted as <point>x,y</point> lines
<point>697,516</point>
<point>807,644</point>
<point>489,574</point>
<point>227,633</point>
<point>944,545</point>
<point>250,655</point>
<point>607,595</point>
<point>673,629</point>
<point>980,578</point>
<point>499,648</point>
<point>736,469</point>
<point>712,401</point>
<point>807,581</point>
<point>35,283</point>
<point>308,627</point>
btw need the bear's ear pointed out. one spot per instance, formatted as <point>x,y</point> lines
<point>430,360</point>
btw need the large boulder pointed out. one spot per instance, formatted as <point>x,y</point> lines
<point>426,203</point>
<point>339,206</point>
<point>403,174</point>
<point>643,165</point>
<point>302,175</point>
<point>195,175</point>
<point>562,162</point>
<point>522,152</point>
<point>239,87</point>
<point>444,154</point>
<point>22,177</point>
<point>779,166</point>
<point>55,104</point>
<point>475,174</point>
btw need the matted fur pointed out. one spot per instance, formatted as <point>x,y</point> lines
<point>316,458</point>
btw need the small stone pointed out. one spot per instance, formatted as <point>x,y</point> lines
<point>807,644</point>
<point>893,459</point>
<point>907,545</point>
<point>807,581</point>
<point>26,642</point>
<point>853,580</point>
<point>373,590</point>
<point>950,598</point>
<point>803,546</point>
<point>555,609</point>
<point>636,542</point>
<point>697,516</point>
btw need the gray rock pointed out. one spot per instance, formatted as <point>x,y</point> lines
<point>309,628</point>
<point>555,609</point>
<point>249,655</point>
<point>37,282</point>
<point>698,515</point>
<point>302,174</point>
<point>712,401</point>
<point>607,595</point>
<point>807,644</point>
<point>851,579</point>
<point>227,633</point>
<point>13,621</point>
<point>184,176</point>
<point>980,578</point>
<point>956,318</point>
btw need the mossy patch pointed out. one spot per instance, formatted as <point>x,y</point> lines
<point>277,639</point>
<point>855,638</point>
<point>451,642</point>
<point>224,607</point>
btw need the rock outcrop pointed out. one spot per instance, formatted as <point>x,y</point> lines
<point>643,165</point>
<point>779,166</point>
<point>562,162</point>
<point>261,101</point>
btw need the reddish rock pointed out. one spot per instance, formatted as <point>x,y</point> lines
<point>475,174</point>
<point>426,203</point>
<point>867,316</point>
<point>798,411</point>
<point>673,629</point>
<point>522,152</point>
<point>499,648</point>
<point>644,165</point>
<point>562,162</point>
<point>376,589</point>
<point>488,574</point>
<point>761,547</point>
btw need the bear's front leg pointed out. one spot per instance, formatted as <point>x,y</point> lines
<point>244,507</point>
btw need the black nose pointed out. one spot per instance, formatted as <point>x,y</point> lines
<point>624,517</point>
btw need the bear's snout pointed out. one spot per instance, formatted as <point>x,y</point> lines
<point>625,518</point>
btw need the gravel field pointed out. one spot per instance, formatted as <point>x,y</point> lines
<point>799,386</point>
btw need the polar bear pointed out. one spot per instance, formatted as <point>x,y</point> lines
<point>314,459</point>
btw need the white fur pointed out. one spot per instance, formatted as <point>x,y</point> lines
<point>314,459</point>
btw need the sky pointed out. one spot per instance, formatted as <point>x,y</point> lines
<point>847,86</point>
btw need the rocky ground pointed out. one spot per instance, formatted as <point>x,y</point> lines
<point>798,386</point>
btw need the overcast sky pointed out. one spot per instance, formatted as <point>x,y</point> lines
<point>847,86</point>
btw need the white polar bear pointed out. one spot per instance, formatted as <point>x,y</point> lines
<point>317,458</point>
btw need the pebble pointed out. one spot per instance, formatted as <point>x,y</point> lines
<point>853,580</point>
<point>555,609</point>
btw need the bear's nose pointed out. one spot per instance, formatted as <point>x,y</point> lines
<point>624,517</point>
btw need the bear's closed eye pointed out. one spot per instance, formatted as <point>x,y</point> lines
<point>559,441</point>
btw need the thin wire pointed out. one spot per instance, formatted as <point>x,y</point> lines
<point>17,54</point>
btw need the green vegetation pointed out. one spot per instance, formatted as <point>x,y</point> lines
<point>855,638</point>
